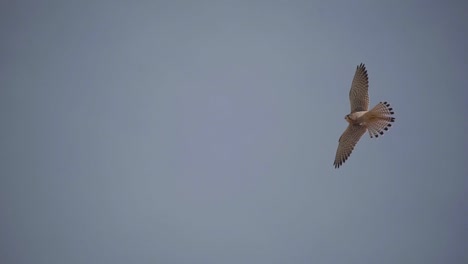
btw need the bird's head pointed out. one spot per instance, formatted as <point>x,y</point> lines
<point>348,118</point>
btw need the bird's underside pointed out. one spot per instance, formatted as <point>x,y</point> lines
<point>376,121</point>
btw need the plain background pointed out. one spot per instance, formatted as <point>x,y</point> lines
<point>205,132</point>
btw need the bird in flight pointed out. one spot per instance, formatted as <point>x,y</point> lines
<point>375,121</point>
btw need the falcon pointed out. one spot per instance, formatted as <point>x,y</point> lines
<point>376,121</point>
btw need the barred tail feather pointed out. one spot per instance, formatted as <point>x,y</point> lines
<point>381,118</point>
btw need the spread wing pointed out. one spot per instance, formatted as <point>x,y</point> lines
<point>347,141</point>
<point>358,94</point>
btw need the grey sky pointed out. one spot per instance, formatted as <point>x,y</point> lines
<point>205,132</point>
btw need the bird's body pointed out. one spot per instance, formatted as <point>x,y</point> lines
<point>375,121</point>
<point>356,117</point>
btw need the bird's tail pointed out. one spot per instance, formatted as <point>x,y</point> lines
<point>380,119</point>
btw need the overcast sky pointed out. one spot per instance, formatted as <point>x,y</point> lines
<point>205,132</point>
